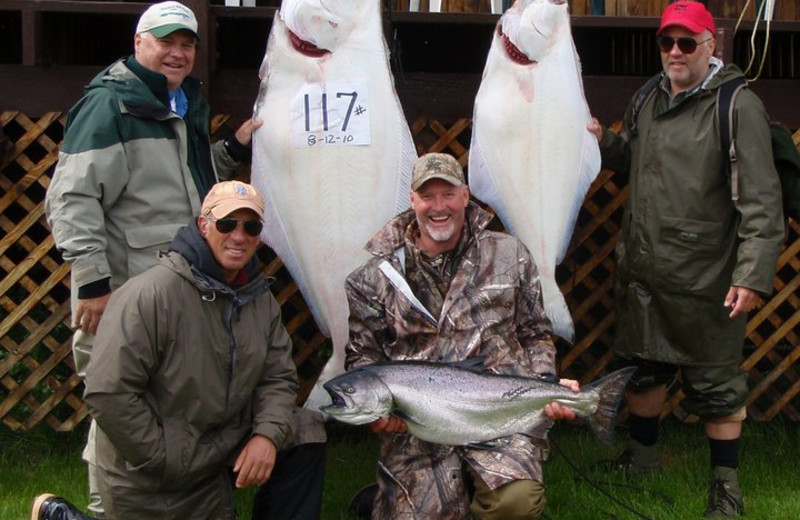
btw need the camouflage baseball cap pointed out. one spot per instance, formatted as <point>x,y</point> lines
<point>436,166</point>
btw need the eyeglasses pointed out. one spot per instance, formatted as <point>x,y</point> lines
<point>686,45</point>
<point>227,225</point>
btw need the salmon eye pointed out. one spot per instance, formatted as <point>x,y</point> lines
<point>350,390</point>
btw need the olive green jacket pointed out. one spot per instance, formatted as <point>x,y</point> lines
<point>683,241</point>
<point>184,370</point>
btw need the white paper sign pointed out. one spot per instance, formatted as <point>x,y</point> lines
<point>331,114</point>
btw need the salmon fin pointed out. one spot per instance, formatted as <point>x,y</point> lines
<point>474,364</point>
<point>407,418</point>
<point>493,444</point>
<point>610,390</point>
<point>540,428</point>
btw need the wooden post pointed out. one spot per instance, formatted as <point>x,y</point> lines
<point>32,37</point>
<point>724,50</point>
<point>461,6</point>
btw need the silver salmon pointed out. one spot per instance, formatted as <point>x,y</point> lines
<point>456,405</point>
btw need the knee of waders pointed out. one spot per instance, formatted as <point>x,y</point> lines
<point>518,500</point>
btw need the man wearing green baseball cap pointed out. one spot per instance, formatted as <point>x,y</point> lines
<point>134,166</point>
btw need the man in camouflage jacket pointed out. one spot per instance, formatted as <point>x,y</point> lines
<point>441,287</point>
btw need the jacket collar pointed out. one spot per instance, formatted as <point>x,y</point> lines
<point>127,77</point>
<point>206,271</point>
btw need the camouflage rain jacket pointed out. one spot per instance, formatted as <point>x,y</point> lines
<point>481,299</point>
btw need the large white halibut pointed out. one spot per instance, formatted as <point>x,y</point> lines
<point>333,159</point>
<point>531,158</point>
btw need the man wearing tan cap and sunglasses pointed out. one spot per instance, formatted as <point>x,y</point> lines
<point>192,383</point>
<point>134,166</point>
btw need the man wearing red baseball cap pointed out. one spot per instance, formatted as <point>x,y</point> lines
<point>692,261</point>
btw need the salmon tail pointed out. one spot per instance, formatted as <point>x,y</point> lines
<point>610,390</point>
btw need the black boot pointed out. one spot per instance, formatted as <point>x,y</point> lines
<point>51,507</point>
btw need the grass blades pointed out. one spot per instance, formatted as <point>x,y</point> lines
<point>44,460</point>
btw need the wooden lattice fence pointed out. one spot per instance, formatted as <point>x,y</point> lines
<point>37,379</point>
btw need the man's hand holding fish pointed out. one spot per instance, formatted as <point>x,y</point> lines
<point>441,295</point>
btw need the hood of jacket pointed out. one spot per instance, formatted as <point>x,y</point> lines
<point>204,270</point>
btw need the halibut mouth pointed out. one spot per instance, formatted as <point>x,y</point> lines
<point>306,48</point>
<point>513,52</point>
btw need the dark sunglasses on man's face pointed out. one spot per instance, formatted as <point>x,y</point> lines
<point>227,225</point>
<point>686,45</point>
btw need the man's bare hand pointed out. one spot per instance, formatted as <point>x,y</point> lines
<point>255,462</point>
<point>596,128</point>
<point>741,300</point>
<point>244,134</point>
<point>88,313</point>
<point>558,411</point>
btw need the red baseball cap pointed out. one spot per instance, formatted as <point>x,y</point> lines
<point>692,16</point>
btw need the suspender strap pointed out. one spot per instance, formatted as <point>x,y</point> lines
<point>726,98</point>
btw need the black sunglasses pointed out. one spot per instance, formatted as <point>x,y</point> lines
<point>686,45</point>
<point>227,225</point>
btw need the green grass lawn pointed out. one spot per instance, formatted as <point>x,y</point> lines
<point>43,460</point>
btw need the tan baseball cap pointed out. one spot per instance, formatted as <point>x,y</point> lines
<point>436,166</point>
<point>228,196</point>
<point>165,18</point>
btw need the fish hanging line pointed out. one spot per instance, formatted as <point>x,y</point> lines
<point>594,484</point>
<point>764,9</point>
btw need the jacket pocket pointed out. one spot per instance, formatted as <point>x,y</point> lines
<point>144,244</point>
<point>687,252</point>
<point>192,455</point>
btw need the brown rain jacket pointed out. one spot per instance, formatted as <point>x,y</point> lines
<point>493,308</point>
<point>683,241</point>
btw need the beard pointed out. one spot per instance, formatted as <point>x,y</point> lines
<point>439,234</point>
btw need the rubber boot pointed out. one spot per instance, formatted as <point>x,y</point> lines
<point>51,507</point>
<point>639,460</point>
<point>725,494</point>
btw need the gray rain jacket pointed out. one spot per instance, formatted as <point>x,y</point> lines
<point>125,179</point>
